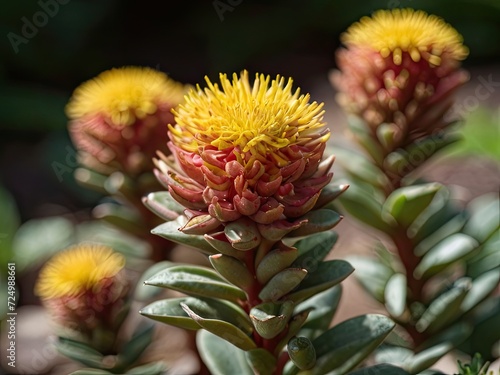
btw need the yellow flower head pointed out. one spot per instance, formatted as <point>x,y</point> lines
<point>78,270</point>
<point>124,95</point>
<point>406,30</point>
<point>258,119</point>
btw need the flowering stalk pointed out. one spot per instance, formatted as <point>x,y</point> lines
<point>86,292</point>
<point>396,80</point>
<point>247,179</point>
<point>118,121</point>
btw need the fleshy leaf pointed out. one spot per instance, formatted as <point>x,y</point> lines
<point>155,368</point>
<point>395,295</point>
<point>313,249</point>
<point>445,253</point>
<point>282,283</point>
<point>342,347</point>
<point>323,305</point>
<point>134,348</point>
<point>261,361</point>
<point>485,217</point>
<point>220,356</point>
<point>270,318</point>
<point>196,281</point>
<point>275,261</point>
<point>163,205</point>
<point>243,234</point>
<point>170,231</point>
<point>481,288</point>
<point>444,308</point>
<point>169,311</point>
<point>80,352</point>
<point>407,203</point>
<point>326,275</point>
<point>302,352</point>
<point>224,329</point>
<point>144,292</point>
<point>427,357</point>
<point>232,270</point>
<point>317,221</point>
<point>364,206</point>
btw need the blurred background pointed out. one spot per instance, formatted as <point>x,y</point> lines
<point>49,47</point>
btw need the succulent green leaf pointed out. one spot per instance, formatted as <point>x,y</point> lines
<point>80,352</point>
<point>302,352</point>
<point>372,275</point>
<point>221,245</point>
<point>395,295</point>
<point>169,311</point>
<point>407,203</point>
<point>270,318</point>
<point>155,368</point>
<point>328,194</point>
<point>382,368</point>
<point>274,262</point>
<point>232,270</point>
<point>313,249</point>
<point>243,234</point>
<point>163,205</point>
<point>359,167</point>
<point>196,281</point>
<point>226,330</point>
<point>134,348</point>
<point>282,283</point>
<point>142,291</point>
<point>454,335</point>
<point>488,258</point>
<point>446,230</point>
<point>444,308</point>
<point>261,361</point>
<point>170,231</point>
<point>441,210</point>
<point>363,204</point>
<point>200,224</point>
<point>317,221</point>
<point>392,354</point>
<point>448,251</point>
<point>323,305</point>
<point>482,286</point>
<point>342,347</point>
<point>363,134</point>
<point>485,217</point>
<point>426,358</point>
<point>220,356</point>
<point>326,275</point>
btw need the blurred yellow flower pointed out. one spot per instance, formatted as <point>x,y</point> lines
<point>406,30</point>
<point>78,270</point>
<point>124,95</point>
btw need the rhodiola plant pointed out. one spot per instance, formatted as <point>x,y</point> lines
<point>396,79</point>
<point>248,185</point>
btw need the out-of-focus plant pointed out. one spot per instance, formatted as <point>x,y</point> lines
<point>118,121</point>
<point>86,291</point>
<point>396,79</point>
<point>248,186</point>
<point>476,367</point>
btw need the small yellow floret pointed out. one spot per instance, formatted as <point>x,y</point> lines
<point>415,32</point>
<point>125,94</point>
<point>77,270</point>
